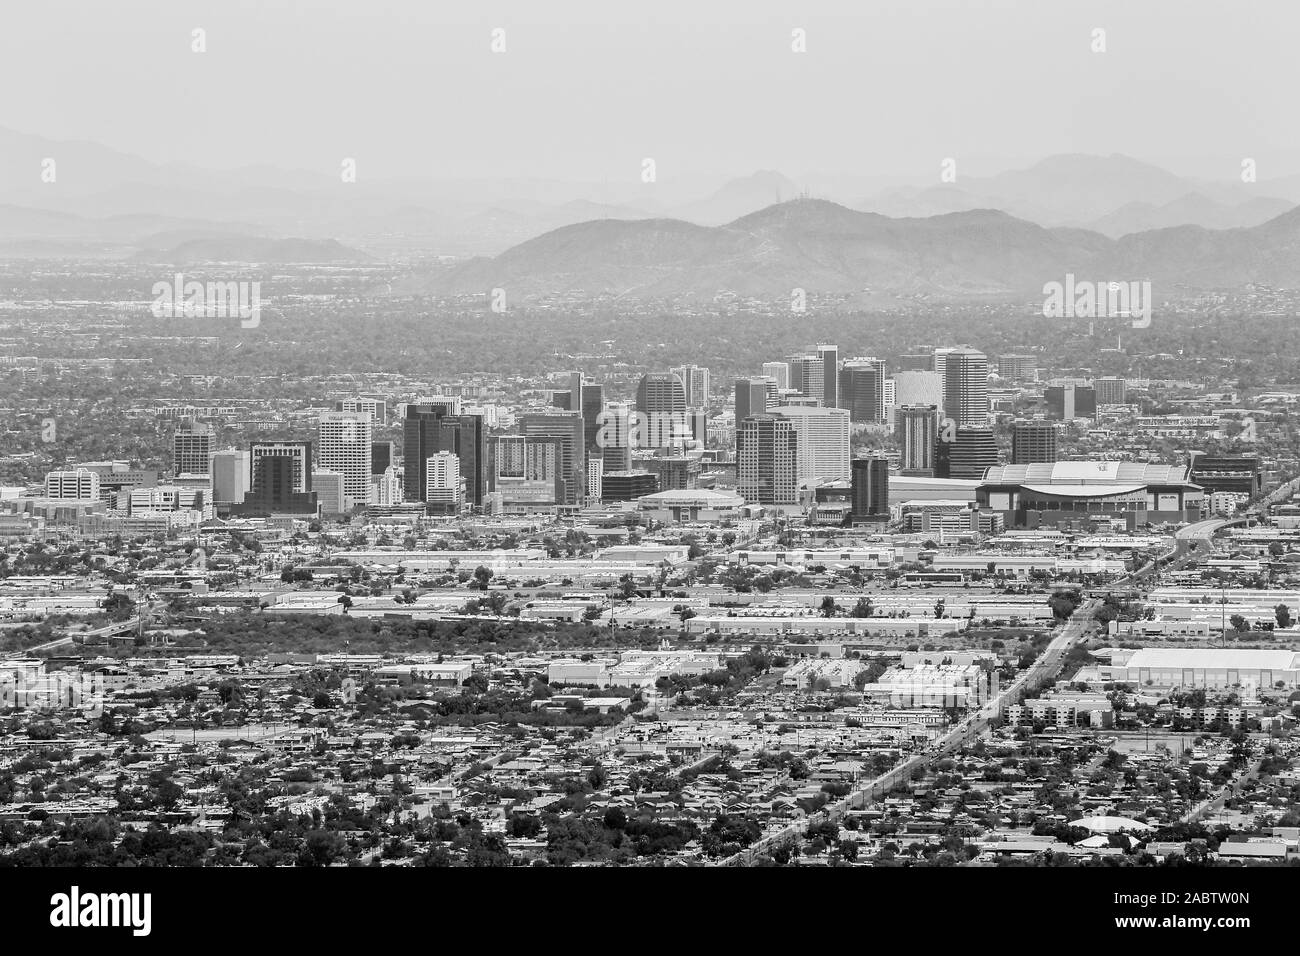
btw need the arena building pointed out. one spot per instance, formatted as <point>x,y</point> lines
<point>1069,491</point>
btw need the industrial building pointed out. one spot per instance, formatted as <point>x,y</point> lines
<point>934,685</point>
<point>1209,668</point>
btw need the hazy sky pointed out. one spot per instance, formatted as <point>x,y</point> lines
<point>585,90</point>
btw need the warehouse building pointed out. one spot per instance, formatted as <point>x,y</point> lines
<point>1209,668</point>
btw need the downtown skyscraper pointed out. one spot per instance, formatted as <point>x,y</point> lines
<point>344,447</point>
<point>767,460</point>
<point>427,429</point>
<point>917,429</point>
<point>661,398</point>
<point>567,429</point>
<point>862,389</point>
<point>193,445</point>
<point>965,386</point>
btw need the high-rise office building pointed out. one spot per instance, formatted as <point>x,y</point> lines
<point>527,471</point>
<point>615,436</point>
<point>822,441</point>
<point>754,396</point>
<point>575,380</point>
<point>1069,400</point>
<point>862,390</point>
<point>279,480</point>
<point>444,490</point>
<point>593,403</point>
<point>567,429</point>
<point>627,485</point>
<point>1234,474</point>
<point>778,372</point>
<point>661,398</point>
<point>230,476</point>
<point>386,489</point>
<point>966,386</point>
<point>917,430</point>
<point>330,489</point>
<point>672,472</point>
<point>568,393</point>
<point>1033,443</point>
<point>345,448</point>
<point>830,356</point>
<point>81,483</point>
<point>918,388</point>
<point>428,429</point>
<point>806,376</point>
<point>767,460</point>
<point>192,446</point>
<point>383,455</point>
<point>1018,368</point>
<point>444,404</point>
<point>1110,390</point>
<point>971,452</point>
<point>376,408</point>
<point>695,380</point>
<point>697,426</point>
<point>870,484</point>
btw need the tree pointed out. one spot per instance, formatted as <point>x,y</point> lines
<point>482,576</point>
<point>863,607</point>
<point>524,825</point>
<point>346,601</point>
<point>829,607</point>
<point>1283,615</point>
<point>1239,623</point>
<point>615,818</point>
<point>119,606</point>
<point>1063,605</point>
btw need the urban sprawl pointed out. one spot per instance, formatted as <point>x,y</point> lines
<point>944,604</point>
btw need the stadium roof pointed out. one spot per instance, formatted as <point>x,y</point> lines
<point>1136,473</point>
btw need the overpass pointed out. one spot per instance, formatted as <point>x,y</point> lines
<point>119,627</point>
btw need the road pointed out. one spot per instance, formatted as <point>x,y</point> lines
<point>1215,804</point>
<point>1046,666</point>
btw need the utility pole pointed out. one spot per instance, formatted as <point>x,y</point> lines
<point>1223,611</point>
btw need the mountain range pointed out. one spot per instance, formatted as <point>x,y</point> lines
<point>113,202</point>
<point>820,246</point>
<point>992,235</point>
